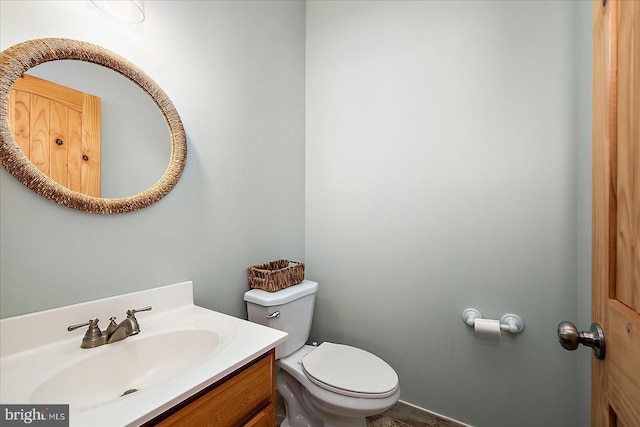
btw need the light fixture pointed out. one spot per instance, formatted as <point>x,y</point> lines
<point>123,10</point>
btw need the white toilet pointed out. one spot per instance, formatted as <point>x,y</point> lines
<point>330,385</point>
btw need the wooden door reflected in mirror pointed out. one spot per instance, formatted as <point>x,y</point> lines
<point>58,130</point>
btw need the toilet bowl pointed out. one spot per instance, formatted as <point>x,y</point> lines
<point>330,385</point>
<point>370,388</point>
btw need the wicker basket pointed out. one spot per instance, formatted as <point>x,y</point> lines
<point>275,275</point>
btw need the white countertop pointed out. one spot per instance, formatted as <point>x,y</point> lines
<point>36,347</point>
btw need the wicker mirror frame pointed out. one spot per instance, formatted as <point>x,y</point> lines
<point>23,56</point>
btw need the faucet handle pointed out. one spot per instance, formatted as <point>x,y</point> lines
<point>133,311</point>
<point>92,323</point>
<point>93,337</point>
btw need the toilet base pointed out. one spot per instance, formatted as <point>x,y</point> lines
<point>302,411</point>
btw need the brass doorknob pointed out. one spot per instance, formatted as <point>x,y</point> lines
<point>570,338</point>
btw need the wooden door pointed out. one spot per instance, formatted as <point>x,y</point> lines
<point>58,129</point>
<point>616,211</point>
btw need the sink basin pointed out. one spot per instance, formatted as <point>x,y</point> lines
<point>118,370</point>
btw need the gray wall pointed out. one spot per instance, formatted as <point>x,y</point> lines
<point>235,72</point>
<point>583,126</point>
<point>441,172</point>
<point>447,165</point>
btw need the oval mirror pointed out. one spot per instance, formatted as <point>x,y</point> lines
<point>122,187</point>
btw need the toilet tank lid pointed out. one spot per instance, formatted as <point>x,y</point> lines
<point>283,296</point>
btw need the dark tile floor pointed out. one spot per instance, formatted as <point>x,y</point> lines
<point>400,415</point>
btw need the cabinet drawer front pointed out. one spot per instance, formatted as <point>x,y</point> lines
<point>231,403</point>
<point>265,418</point>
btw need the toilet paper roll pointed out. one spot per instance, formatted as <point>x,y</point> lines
<point>487,326</point>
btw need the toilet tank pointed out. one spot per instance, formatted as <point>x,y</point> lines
<point>289,310</point>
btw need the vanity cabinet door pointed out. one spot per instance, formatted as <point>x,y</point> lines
<point>245,398</point>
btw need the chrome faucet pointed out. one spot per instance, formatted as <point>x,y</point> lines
<point>94,337</point>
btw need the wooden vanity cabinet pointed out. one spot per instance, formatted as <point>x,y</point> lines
<point>244,398</point>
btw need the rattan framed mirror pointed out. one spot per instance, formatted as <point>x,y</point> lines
<point>19,58</point>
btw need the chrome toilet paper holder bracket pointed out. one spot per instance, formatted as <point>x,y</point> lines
<point>511,323</point>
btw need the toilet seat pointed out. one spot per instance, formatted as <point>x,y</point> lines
<point>349,371</point>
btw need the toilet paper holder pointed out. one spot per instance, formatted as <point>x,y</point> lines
<point>510,323</point>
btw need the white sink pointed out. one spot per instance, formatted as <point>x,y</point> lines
<point>181,349</point>
<point>126,367</point>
